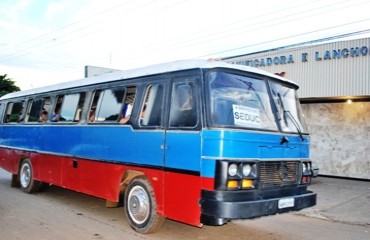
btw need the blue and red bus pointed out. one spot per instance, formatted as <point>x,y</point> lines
<point>199,142</point>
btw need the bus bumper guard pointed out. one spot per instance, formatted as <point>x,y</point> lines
<point>215,212</point>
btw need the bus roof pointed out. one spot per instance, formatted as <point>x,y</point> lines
<point>144,71</point>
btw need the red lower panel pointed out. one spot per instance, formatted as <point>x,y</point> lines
<point>95,178</point>
<point>99,179</point>
<point>177,194</point>
<point>182,196</point>
<point>208,184</point>
<point>9,159</point>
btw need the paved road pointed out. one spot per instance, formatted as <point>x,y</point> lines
<point>62,214</point>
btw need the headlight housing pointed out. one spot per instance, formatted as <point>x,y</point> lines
<point>236,175</point>
<point>306,172</point>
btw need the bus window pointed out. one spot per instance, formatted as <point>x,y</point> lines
<point>183,111</point>
<point>128,105</point>
<point>58,106</point>
<point>14,112</point>
<point>152,109</point>
<point>34,110</point>
<point>106,106</point>
<point>37,110</point>
<point>71,107</point>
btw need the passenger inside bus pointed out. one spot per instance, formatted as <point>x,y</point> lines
<point>92,116</point>
<point>126,113</point>
<point>43,116</point>
<point>55,117</point>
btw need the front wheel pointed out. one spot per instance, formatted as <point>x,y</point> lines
<point>141,207</point>
<point>28,184</point>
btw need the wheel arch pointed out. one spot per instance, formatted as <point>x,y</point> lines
<point>127,177</point>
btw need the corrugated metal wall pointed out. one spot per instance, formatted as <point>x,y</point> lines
<point>322,73</point>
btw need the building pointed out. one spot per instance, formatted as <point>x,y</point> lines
<point>334,80</point>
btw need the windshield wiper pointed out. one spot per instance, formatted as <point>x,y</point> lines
<point>287,113</point>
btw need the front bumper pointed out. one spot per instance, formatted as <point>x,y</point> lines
<point>218,212</point>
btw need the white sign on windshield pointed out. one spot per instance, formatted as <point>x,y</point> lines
<point>246,116</point>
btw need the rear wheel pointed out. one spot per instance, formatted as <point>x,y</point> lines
<point>141,207</point>
<point>28,184</point>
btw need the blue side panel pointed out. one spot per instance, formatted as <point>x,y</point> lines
<point>183,150</point>
<point>108,143</point>
<point>208,168</point>
<point>231,144</point>
<point>244,145</point>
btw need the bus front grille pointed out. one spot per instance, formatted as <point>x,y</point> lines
<point>279,173</point>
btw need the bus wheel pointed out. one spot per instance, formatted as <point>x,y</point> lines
<point>141,207</point>
<point>28,184</point>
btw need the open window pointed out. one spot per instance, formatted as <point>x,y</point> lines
<point>37,110</point>
<point>112,105</point>
<point>68,108</point>
<point>14,112</point>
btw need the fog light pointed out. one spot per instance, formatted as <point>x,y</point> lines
<point>232,184</point>
<point>247,183</point>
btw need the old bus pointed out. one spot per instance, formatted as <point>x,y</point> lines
<point>199,142</point>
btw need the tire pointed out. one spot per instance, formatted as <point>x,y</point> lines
<point>27,183</point>
<point>141,207</point>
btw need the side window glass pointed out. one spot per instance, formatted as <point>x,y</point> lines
<point>128,105</point>
<point>14,112</point>
<point>183,111</point>
<point>37,110</point>
<point>34,110</point>
<point>92,112</point>
<point>151,112</point>
<point>106,106</point>
<point>71,107</point>
<point>55,117</point>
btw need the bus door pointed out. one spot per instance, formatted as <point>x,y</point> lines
<point>182,152</point>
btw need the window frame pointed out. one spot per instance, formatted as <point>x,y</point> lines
<point>196,95</point>
<point>83,97</point>
<point>126,91</point>
<point>7,113</point>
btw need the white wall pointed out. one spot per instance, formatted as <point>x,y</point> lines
<point>340,135</point>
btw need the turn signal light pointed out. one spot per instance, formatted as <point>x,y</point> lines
<point>305,179</point>
<point>247,183</point>
<point>232,184</point>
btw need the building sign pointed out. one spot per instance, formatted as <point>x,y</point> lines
<point>305,57</point>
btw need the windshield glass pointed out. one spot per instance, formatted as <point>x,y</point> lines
<point>289,112</point>
<point>240,101</point>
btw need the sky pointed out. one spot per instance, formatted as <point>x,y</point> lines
<point>44,42</point>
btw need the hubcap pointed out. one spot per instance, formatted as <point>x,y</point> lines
<point>25,175</point>
<point>138,205</point>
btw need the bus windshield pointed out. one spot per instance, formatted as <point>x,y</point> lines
<point>289,112</point>
<point>244,102</point>
<point>240,101</point>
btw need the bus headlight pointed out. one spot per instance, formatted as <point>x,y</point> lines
<point>247,169</point>
<point>233,170</point>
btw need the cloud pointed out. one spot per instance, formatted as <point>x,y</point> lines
<point>54,9</point>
